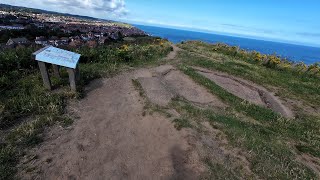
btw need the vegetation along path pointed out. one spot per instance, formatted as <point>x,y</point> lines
<point>180,120</point>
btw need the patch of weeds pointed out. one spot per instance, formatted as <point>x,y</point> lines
<point>28,133</point>
<point>139,88</point>
<point>8,161</point>
<point>142,94</point>
<point>182,123</point>
<point>218,171</point>
<point>66,121</point>
<point>308,149</point>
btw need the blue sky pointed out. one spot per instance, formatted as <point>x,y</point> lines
<point>294,21</point>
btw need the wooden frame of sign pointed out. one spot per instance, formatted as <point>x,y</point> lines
<point>58,58</point>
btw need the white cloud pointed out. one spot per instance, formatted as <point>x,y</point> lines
<point>110,7</point>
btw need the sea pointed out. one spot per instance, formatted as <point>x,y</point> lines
<point>296,53</point>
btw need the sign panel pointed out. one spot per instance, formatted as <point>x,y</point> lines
<point>58,56</point>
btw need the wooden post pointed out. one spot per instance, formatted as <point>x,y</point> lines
<point>45,75</point>
<point>72,79</point>
<point>56,70</point>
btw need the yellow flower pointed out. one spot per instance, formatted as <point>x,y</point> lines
<point>124,47</point>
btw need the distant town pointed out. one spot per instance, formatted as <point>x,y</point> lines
<point>25,28</point>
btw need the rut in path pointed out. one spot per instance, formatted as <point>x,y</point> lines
<point>247,90</point>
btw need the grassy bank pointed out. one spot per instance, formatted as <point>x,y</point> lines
<point>292,83</point>
<point>27,108</point>
<point>272,144</point>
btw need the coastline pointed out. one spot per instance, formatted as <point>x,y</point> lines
<point>293,52</point>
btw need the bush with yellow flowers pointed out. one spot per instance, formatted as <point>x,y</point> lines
<point>285,66</point>
<point>300,67</point>
<point>273,61</point>
<point>257,56</point>
<point>123,53</point>
<point>314,68</point>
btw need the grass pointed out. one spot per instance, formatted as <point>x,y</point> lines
<point>27,108</point>
<point>292,84</point>
<point>182,123</point>
<point>273,144</point>
<point>267,148</point>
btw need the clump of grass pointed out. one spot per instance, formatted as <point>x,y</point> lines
<point>218,171</point>
<point>181,123</point>
<point>8,161</point>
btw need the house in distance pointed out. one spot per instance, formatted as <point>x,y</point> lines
<point>17,41</point>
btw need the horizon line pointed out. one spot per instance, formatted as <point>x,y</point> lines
<point>226,34</point>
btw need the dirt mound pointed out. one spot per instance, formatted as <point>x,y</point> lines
<point>247,90</point>
<point>113,140</point>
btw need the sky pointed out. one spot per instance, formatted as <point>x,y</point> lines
<point>293,21</point>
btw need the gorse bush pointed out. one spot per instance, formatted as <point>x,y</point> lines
<point>270,61</point>
<point>142,49</point>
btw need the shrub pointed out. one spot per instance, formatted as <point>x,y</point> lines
<point>314,68</point>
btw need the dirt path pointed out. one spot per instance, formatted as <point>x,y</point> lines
<point>114,140</point>
<point>173,53</point>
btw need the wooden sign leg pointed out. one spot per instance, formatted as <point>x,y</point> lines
<point>56,70</point>
<point>72,79</point>
<point>45,75</point>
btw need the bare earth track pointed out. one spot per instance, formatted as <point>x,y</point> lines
<point>114,139</point>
